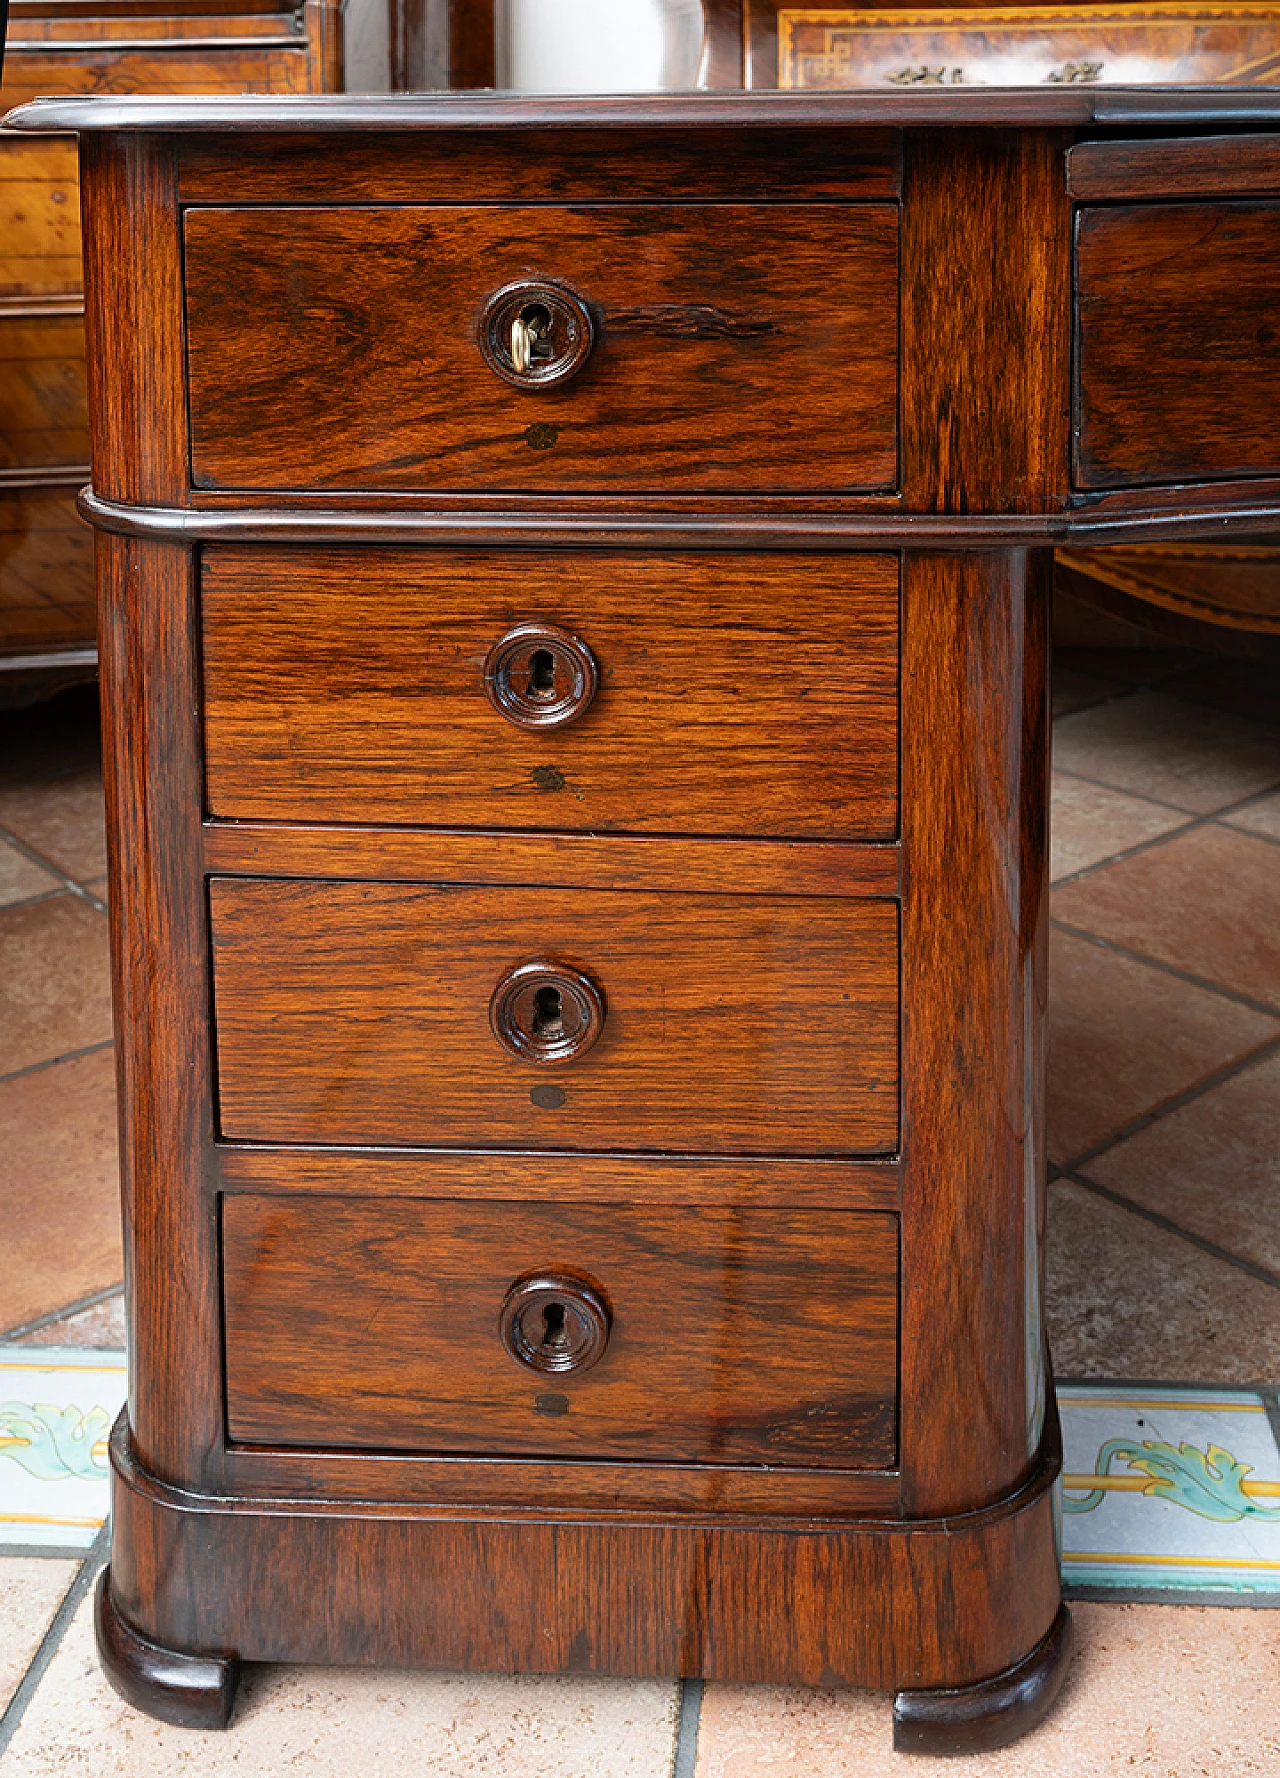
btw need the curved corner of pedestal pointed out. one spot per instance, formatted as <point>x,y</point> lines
<point>980,1718</point>
<point>191,1691</point>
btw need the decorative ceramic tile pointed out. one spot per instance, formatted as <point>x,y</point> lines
<point>1167,1487</point>
<point>57,1406</point>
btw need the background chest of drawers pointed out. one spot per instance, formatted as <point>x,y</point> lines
<point>574,583</point>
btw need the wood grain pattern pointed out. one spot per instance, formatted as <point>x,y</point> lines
<point>43,423</point>
<point>46,571</point>
<point>974,441</point>
<point>1178,346</point>
<point>702,340</point>
<point>360,1013</point>
<point>735,1336</point>
<point>39,216</point>
<point>974,949</point>
<point>756,695</point>
<point>947,1602</point>
<point>1193,166</point>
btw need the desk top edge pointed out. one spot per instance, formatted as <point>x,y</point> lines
<point>1065,106</point>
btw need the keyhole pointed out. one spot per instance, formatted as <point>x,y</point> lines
<point>542,674</point>
<point>555,1329</point>
<point>548,1013</point>
<point>537,319</point>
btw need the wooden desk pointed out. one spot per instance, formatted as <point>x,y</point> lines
<point>573,586</point>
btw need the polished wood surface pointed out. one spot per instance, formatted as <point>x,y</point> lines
<point>285,394</point>
<point>351,1012</point>
<point>734,1336</point>
<point>757,695</point>
<point>1178,345</point>
<point>328,991</point>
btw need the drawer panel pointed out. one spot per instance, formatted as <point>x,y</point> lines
<point>732,1335</point>
<point>1178,345</point>
<point>361,1013</point>
<point>735,696</point>
<point>339,348</point>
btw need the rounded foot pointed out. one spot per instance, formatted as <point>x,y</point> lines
<point>193,1691</point>
<point>979,1718</point>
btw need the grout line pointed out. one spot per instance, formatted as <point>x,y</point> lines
<point>76,1308</point>
<point>54,870</point>
<point>1218,1078</point>
<point>54,1552</point>
<point>1250,833</point>
<point>686,1755</point>
<point>40,1662</point>
<point>1261,1273</point>
<point>88,1049</point>
<point>1182,975</point>
<point>1060,771</point>
<point>1271,1401</point>
<point>30,901</point>
<point>1173,833</point>
<point>1227,1596</point>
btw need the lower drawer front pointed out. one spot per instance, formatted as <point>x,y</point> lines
<point>727,1336</point>
<point>365,1013</point>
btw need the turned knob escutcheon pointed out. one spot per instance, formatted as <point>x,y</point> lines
<point>553,1323</point>
<point>539,676</point>
<point>535,333</point>
<point>546,1011</point>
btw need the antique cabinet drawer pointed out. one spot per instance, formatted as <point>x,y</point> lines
<point>700,1334</point>
<point>341,348</point>
<point>685,694</point>
<point>1178,343</point>
<point>378,1013</point>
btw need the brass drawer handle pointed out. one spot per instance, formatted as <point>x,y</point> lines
<point>546,1011</point>
<point>540,677</point>
<point>554,1323</point>
<point>535,333</point>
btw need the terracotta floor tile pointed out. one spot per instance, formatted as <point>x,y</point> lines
<point>100,1328</point>
<point>1091,823</point>
<point>1124,1038</point>
<point>20,879</point>
<point>59,1187</point>
<point>64,821</point>
<point>1153,745</point>
<point>1206,901</point>
<point>1154,1691</point>
<point>31,1590</point>
<point>329,1722</point>
<point>55,980</point>
<point>1212,1166</point>
<point>1261,817</point>
<point>1073,690</point>
<point>1126,1299</point>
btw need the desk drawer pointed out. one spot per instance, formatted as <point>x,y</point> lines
<point>386,1013</point>
<point>700,1334</point>
<point>1178,343</point>
<point>342,348</point>
<point>739,695</point>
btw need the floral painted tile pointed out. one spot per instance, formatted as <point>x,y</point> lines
<point>1169,1488</point>
<point>57,1405</point>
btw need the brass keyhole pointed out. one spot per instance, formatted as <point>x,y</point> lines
<point>542,674</point>
<point>548,1013</point>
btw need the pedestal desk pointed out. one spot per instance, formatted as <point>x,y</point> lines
<point>573,583</point>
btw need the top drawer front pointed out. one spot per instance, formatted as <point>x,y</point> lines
<point>1178,346</point>
<point>737,346</point>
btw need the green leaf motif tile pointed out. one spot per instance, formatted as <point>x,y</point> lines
<point>57,1404</point>
<point>51,1442</point>
<point>1210,1482</point>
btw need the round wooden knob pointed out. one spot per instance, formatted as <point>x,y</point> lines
<point>540,677</point>
<point>554,1323</point>
<point>535,333</point>
<point>544,1011</point>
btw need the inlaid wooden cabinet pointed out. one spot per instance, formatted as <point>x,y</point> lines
<point>574,652</point>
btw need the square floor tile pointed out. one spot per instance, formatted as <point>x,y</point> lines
<point>1211,1166</point>
<point>1153,1691</point>
<point>57,1407</point>
<point>20,879</point>
<point>1124,1298</point>
<point>1124,1038</point>
<point>1206,901</point>
<point>1169,1488</point>
<point>63,820</point>
<point>55,980</point>
<point>31,1590</point>
<point>101,1327</point>
<point>352,1723</point>
<point>61,1187</point>
<point>1262,816</point>
<point>1154,746</point>
<point>1090,823</point>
